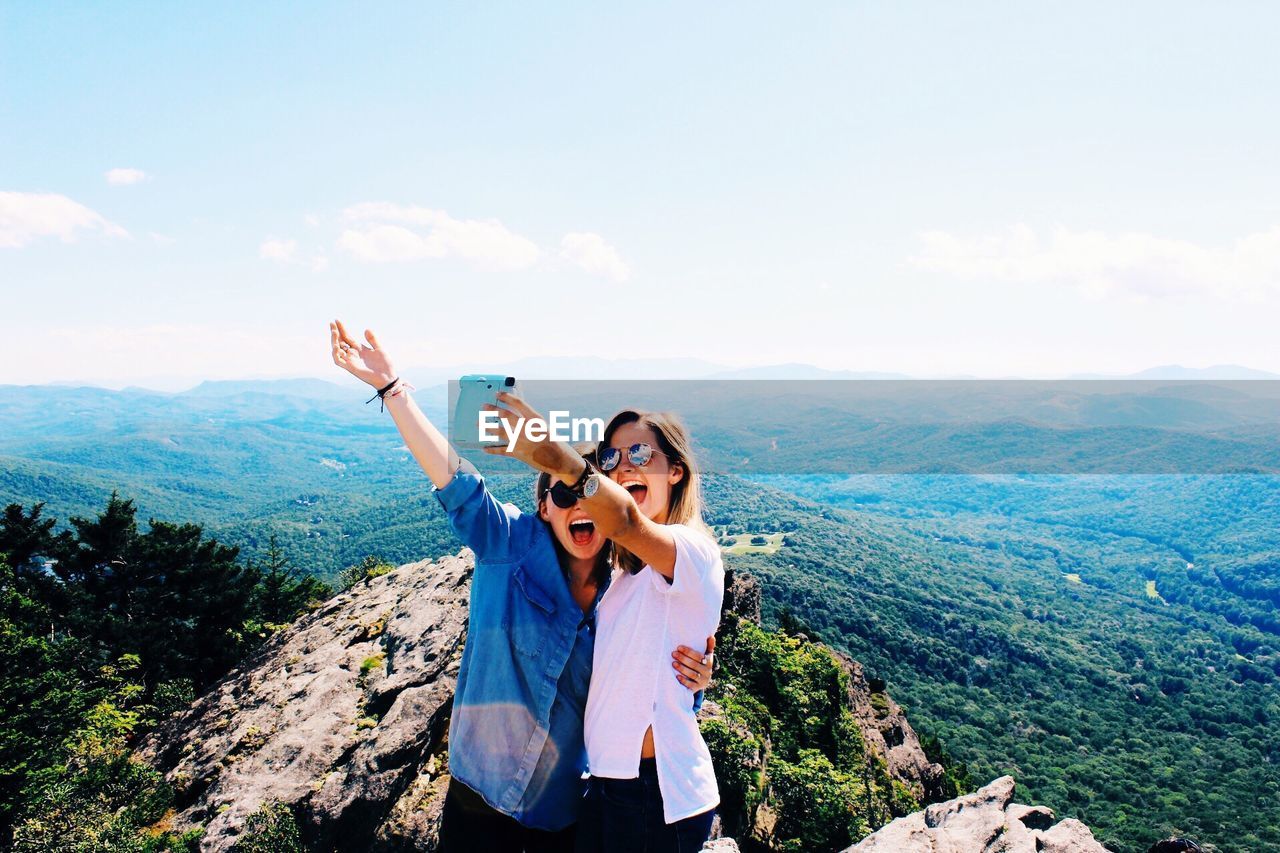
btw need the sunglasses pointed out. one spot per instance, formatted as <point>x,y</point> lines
<point>639,455</point>
<point>562,496</point>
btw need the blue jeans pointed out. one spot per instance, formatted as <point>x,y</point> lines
<point>625,816</point>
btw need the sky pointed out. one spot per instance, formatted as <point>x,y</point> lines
<point>985,188</point>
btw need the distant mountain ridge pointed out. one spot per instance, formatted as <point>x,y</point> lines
<point>316,389</point>
<point>674,368</point>
<point>1176,371</point>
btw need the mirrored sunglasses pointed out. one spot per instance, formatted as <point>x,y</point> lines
<point>639,455</point>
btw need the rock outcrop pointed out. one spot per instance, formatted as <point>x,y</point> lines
<point>342,717</point>
<point>986,821</point>
<point>888,734</point>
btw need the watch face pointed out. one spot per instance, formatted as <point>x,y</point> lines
<point>592,485</point>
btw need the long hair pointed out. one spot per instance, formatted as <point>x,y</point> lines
<point>685,503</point>
<point>541,492</point>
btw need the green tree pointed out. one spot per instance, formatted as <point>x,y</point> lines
<point>178,600</point>
<point>100,798</point>
<point>283,590</point>
<point>44,691</point>
<point>125,629</point>
<point>819,807</point>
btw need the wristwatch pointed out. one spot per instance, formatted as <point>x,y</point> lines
<point>592,485</point>
<point>587,483</point>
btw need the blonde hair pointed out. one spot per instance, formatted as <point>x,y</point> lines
<point>685,503</point>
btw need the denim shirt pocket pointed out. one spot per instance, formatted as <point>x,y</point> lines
<point>529,614</point>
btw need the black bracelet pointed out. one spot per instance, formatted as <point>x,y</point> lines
<point>382,391</point>
<point>578,484</point>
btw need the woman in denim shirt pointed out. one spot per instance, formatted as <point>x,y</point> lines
<point>516,753</point>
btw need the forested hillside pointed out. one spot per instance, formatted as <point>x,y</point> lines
<point>105,629</point>
<point>314,470</point>
<point>1109,642</point>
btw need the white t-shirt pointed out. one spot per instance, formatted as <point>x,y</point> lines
<point>641,620</point>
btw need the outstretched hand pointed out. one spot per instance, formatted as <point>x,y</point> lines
<point>367,362</point>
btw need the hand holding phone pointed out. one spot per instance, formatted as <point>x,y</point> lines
<point>474,393</point>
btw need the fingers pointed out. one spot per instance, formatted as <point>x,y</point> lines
<point>698,663</point>
<point>344,337</point>
<point>335,344</point>
<point>693,670</point>
<point>705,658</point>
<point>691,677</point>
<point>687,670</point>
<point>509,419</point>
<point>518,404</point>
<point>371,338</point>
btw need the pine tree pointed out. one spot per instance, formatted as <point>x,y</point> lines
<point>284,591</point>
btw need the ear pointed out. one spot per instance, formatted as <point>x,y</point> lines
<point>543,512</point>
<point>675,473</point>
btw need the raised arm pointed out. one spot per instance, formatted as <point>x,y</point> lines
<point>370,363</point>
<point>612,508</point>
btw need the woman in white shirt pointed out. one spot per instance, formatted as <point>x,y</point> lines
<point>652,785</point>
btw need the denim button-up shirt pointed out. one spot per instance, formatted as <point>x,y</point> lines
<point>516,732</point>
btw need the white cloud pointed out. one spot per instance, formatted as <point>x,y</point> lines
<point>283,251</point>
<point>381,232</point>
<point>26,217</point>
<point>1099,264</point>
<point>591,253</point>
<point>124,177</point>
<point>385,244</point>
<point>286,252</point>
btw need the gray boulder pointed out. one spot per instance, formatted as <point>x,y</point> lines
<point>986,821</point>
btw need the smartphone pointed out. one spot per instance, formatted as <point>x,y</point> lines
<point>474,392</point>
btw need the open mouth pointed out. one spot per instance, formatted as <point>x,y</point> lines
<point>637,491</point>
<point>581,531</point>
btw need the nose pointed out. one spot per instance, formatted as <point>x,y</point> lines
<point>623,467</point>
